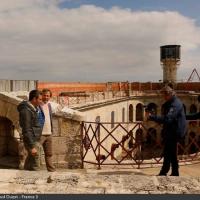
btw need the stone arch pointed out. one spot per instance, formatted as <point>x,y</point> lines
<point>139,112</point>
<point>9,132</point>
<point>130,113</point>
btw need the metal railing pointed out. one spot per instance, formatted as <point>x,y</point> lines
<point>131,144</point>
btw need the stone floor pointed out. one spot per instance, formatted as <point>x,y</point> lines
<point>105,181</point>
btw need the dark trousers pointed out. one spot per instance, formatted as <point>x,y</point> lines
<point>170,157</point>
<point>46,142</point>
<point>32,162</point>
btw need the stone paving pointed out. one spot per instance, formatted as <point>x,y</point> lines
<point>105,181</point>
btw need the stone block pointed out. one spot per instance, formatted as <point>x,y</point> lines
<point>70,128</point>
<point>59,145</point>
<point>75,149</point>
<point>65,127</point>
<point>76,164</point>
<point>60,161</point>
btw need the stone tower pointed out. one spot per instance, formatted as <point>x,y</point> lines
<point>170,59</point>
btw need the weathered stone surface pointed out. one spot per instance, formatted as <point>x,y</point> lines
<point>59,145</point>
<point>56,127</point>
<point>94,182</point>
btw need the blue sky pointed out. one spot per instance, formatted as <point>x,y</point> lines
<point>96,40</point>
<point>189,8</point>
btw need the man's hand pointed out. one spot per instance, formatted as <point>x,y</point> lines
<point>33,151</point>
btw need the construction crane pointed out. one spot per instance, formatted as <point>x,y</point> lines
<point>194,71</point>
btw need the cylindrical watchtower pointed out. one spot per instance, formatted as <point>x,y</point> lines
<point>170,59</point>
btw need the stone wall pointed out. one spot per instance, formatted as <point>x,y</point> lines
<point>66,143</point>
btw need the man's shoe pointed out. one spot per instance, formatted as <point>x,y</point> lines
<point>33,169</point>
<point>174,174</point>
<point>162,174</point>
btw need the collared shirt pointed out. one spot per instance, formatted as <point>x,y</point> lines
<point>47,123</point>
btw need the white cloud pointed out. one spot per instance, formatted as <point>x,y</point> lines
<point>41,41</point>
<point>10,5</point>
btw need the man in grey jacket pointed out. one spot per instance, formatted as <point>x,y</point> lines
<point>31,128</point>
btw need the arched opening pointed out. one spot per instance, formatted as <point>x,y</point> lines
<point>112,119</point>
<point>130,113</point>
<point>152,107</point>
<point>123,114</point>
<point>139,136</point>
<point>138,142</point>
<point>193,108</point>
<point>8,144</point>
<point>139,112</point>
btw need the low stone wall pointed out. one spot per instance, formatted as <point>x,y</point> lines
<point>66,143</point>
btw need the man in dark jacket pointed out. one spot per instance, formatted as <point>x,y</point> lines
<point>31,128</point>
<point>174,126</point>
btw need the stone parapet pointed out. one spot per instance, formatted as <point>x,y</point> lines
<point>67,143</point>
<point>94,182</point>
